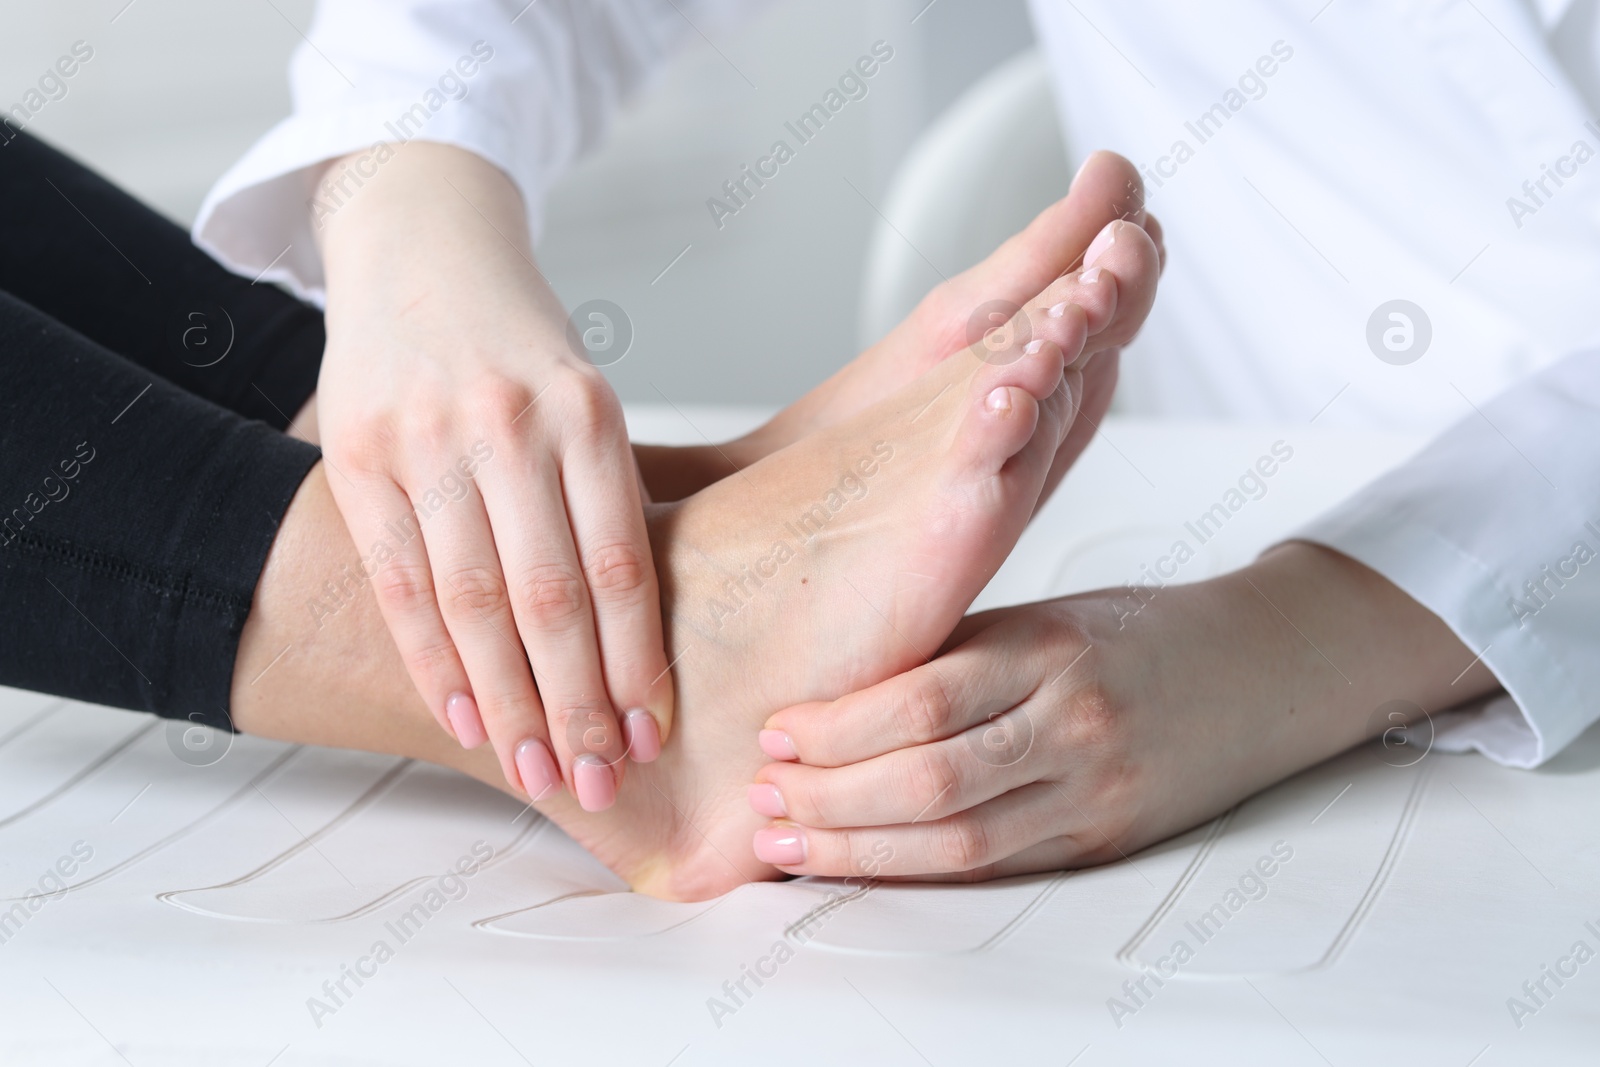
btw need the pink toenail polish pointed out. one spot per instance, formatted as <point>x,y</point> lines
<point>1090,276</point>
<point>462,711</point>
<point>642,735</point>
<point>781,846</point>
<point>541,778</point>
<point>1058,311</point>
<point>777,744</point>
<point>1102,241</point>
<point>766,800</point>
<point>1033,347</point>
<point>999,400</point>
<point>593,782</point>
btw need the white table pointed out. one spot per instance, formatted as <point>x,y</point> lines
<point>215,900</point>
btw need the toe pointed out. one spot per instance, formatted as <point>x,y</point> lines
<point>1034,364</point>
<point>999,423</point>
<point>1107,187</point>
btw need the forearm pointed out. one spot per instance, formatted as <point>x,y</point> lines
<point>1311,648</point>
<point>433,224</point>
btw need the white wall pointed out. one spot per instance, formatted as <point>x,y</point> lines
<point>754,312</point>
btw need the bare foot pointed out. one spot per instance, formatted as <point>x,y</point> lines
<point>829,565</point>
<point>1107,189</point>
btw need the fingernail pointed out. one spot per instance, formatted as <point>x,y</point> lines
<point>541,777</point>
<point>766,800</point>
<point>1090,276</point>
<point>1102,241</point>
<point>593,782</point>
<point>462,711</point>
<point>781,846</point>
<point>642,735</point>
<point>777,744</point>
<point>999,400</point>
<point>1033,347</point>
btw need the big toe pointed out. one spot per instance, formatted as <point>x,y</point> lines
<point>1107,188</point>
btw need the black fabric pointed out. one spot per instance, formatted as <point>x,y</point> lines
<point>143,473</point>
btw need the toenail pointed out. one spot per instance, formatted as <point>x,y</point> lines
<point>593,782</point>
<point>777,744</point>
<point>462,711</point>
<point>1090,276</point>
<point>1033,347</point>
<point>766,800</point>
<point>1102,241</point>
<point>540,776</point>
<point>1058,311</point>
<point>999,400</point>
<point>642,734</point>
<point>781,846</point>
<point>1081,168</point>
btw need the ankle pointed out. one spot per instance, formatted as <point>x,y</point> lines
<point>317,666</point>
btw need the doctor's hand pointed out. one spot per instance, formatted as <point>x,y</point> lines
<point>1076,731</point>
<point>485,473</point>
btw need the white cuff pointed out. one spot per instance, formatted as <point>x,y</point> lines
<point>257,220</point>
<point>1541,713</point>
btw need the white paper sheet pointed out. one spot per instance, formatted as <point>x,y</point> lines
<point>208,905</point>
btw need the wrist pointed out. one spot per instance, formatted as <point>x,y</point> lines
<point>435,227</point>
<point>1361,642</point>
<point>1276,666</point>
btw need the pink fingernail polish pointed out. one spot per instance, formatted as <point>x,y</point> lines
<point>593,782</point>
<point>781,846</point>
<point>642,734</point>
<point>777,744</point>
<point>766,800</point>
<point>541,777</point>
<point>462,711</point>
<point>1102,241</point>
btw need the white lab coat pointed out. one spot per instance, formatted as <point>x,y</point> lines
<point>1311,163</point>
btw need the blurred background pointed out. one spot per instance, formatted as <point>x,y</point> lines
<point>751,313</point>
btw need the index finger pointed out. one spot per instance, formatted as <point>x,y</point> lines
<point>613,546</point>
<point>929,703</point>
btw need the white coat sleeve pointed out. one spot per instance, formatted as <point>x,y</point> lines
<point>527,86</point>
<point>1495,528</point>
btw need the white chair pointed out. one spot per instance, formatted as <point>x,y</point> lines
<point>980,173</point>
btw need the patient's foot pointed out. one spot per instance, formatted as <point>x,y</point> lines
<point>1107,189</point>
<point>831,564</point>
<point>827,566</point>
